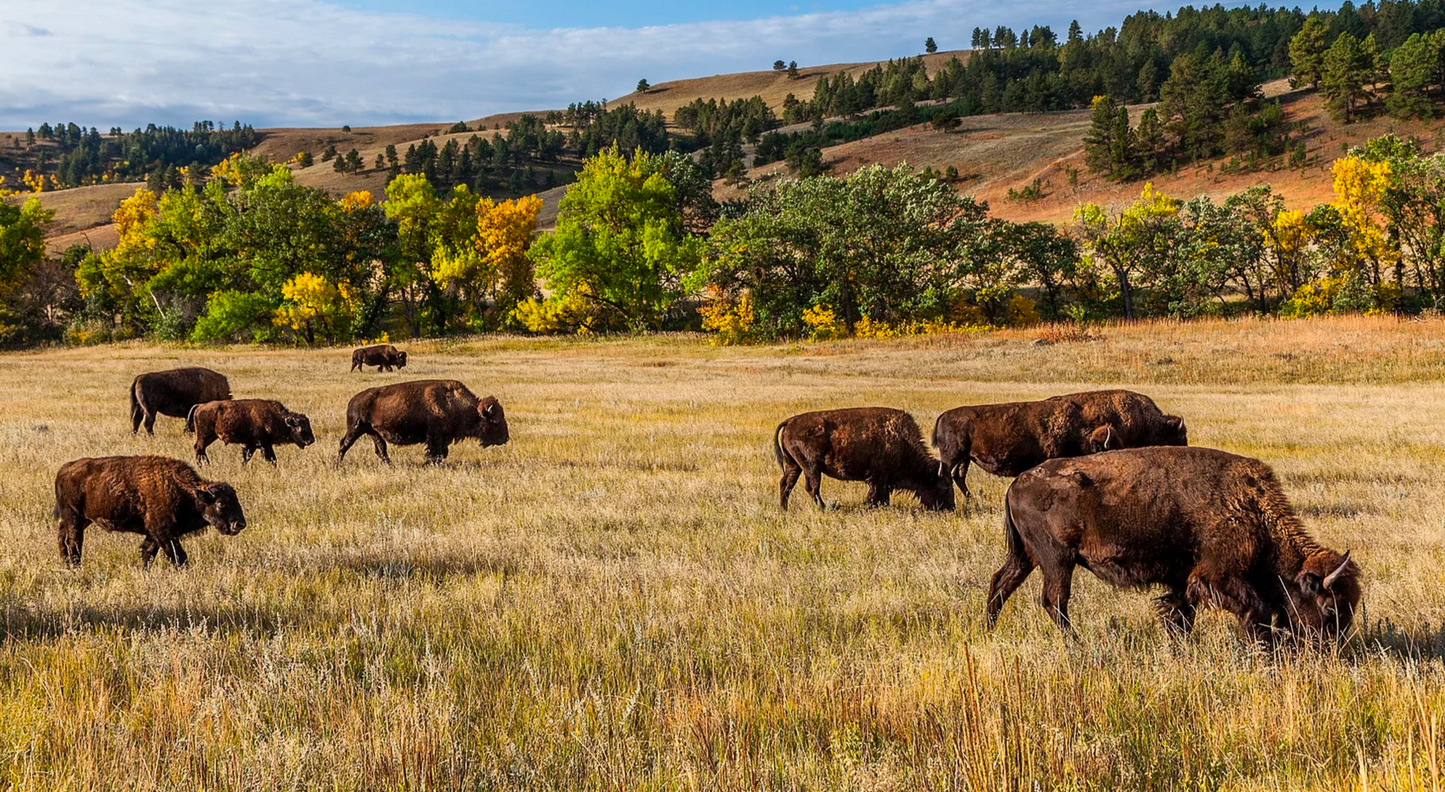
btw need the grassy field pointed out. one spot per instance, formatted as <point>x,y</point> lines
<point>613,600</point>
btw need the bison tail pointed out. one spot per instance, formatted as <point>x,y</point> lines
<point>1012,540</point>
<point>778,445</point>
<point>191,419</point>
<point>135,408</point>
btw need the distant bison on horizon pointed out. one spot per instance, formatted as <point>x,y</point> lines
<point>877,445</point>
<point>159,498</point>
<point>173,393</point>
<point>253,424</point>
<point>435,412</point>
<point>384,356</point>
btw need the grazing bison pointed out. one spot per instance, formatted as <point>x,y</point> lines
<point>435,412</point>
<point>1134,416</point>
<point>384,356</point>
<point>1211,528</point>
<point>161,498</point>
<point>253,424</point>
<point>877,445</point>
<point>173,393</point>
<point>1007,439</point>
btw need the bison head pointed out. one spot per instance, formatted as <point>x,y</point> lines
<point>221,508</point>
<point>401,360</point>
<point>1173,433</point>
<point>936,494</point>
<point>1329,595</point>
<point>300,427</point>
<point>493,430</point>
<point>1104,438</point>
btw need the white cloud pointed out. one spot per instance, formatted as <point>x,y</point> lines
<point>304,62</point>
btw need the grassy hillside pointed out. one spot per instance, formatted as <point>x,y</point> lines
<point>992,153</point>
<point>614,600</point>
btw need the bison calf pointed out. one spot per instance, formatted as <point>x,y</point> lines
<point>880,446</point>
<point>253,424</point>
<point>435,412</point>
<point>1211,528</point>
<point>1007,439</point>
<point>162,499</point>
<point>384,356</point>
<point>173,393</point>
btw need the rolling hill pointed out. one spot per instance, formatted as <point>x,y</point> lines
<point>993,154</point>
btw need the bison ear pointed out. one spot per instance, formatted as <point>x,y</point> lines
<point>292,421</point>
<point>1104,439</point>
<point>1310,583</point>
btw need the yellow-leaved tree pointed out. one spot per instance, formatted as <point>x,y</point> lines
<point>495,274</point>
<point>316,307</point>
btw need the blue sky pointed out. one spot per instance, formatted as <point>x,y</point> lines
<point>334,62</point>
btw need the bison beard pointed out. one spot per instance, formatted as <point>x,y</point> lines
<point>1211,528</point>
<point>877,445</point>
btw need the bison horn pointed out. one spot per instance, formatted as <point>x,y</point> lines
<point>1339,570</point>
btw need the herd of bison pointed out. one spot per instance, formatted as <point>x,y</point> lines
<point>1103,479</point>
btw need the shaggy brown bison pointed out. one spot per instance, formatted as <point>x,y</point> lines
<point>1211,528</point>
<point>384,356</point>
<point>1134,416</point>
<point>253,424</point>
<point>435,412</point>
<point>877,445</point>
<point>1007,439</point>
<point>162,499</point>
<point>173,393</point>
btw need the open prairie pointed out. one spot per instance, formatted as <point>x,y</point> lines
<point>614,600</point>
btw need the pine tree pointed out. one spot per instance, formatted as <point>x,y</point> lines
<point>977,41</point>
<point>1307,51</point>
<point>643,86</point>
<point>1412,69</point>
<point>1348,68</point>
<point>930,46</point>
<point>792,70</point>
<point>1076,33</point>
<point>1149,141</point>
<point>779,66</point>
<point>1099,140</point>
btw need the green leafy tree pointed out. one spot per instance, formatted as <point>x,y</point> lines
<point>621,247</point>
<point>22,240</point>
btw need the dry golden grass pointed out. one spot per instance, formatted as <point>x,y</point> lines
<point>614,601</point>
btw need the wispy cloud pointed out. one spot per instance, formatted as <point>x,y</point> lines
<point>304,62</point>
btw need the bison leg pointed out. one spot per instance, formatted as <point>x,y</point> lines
<point>1234,594</point>
<point>150,421</point>
<point>813,483</point>
<point>137,414</point>
<point>148,550</point>
<point>1058,584</point>
<point>175,552</point>
<point>72,538</point>
<point>1005,582</point>
<point>1176,611</point>
<point>959,472</point>
<point>879,495</point>
<point>246,453</point>
<point>353,434</point>
<point>790,479</point>
<point>436,451</point>
<point>269,454</point>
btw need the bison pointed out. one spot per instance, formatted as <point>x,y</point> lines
<point>162,499</point>
<point>1134,416</point>
<point>435,412</point>
<point>173,393</point>
<point>877,445</point>
<point>1210,527</point>
<point>384,356</point>
<point>253,424</point>
<point>1007,439</point>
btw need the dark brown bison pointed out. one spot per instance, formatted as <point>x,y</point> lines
<point>435,412</point>
<point>162,499</point>
<point>1138,421</point>
<point>1007,439</point>
<point>1211,528</point>
<point>384,356</point>
<point>877,445</point>
<point>253,424</point>
<point>173,393</point>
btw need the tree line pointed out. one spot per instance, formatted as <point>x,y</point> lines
<point>69,155</point>
<point>641,244</point>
